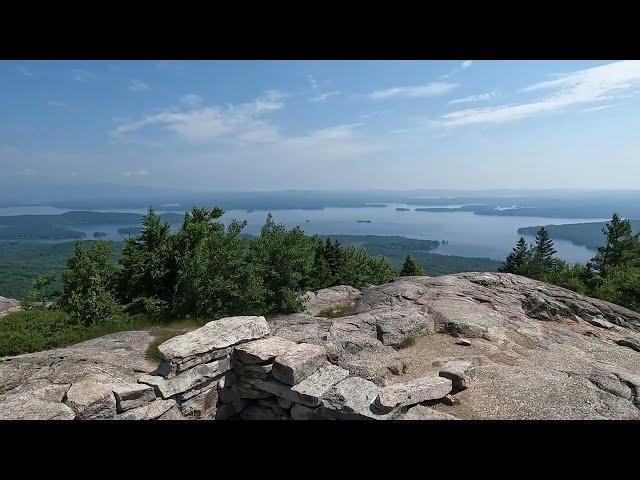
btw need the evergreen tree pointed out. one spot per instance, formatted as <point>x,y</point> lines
<point>518,259</point>
<point>148,267</point>
<point>620,243</point>
<point>411,268</point>
<point>88,284</point>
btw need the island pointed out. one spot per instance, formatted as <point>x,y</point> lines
<point>402,209</point>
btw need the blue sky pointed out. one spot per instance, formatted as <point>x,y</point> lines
<point>240,125</point>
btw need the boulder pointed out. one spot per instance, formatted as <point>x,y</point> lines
<point>34,409</point>
<point>353,399</point>
<point>202,405</point>
<point>8,305</point>
<point>92,398</point>
<point>312,389</point>
<point>132,395</point>
<point>262,351</point>
<point>458,372</point>
<point>420,412</point>
<point>341,295</point>
<point>397,327</point>
<point>297,364</point>
<point>209,342</point>
<point>150,411</point>
<point>198,376</point>
<point>412,392</point>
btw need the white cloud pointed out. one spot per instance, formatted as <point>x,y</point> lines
<point>138,86</point>
<point>191,100</point>
<point>323,97</point>
<point>433,89</point>
<point>598,108</point>
<point>466,64</point>
<point>312,82</point>
<point>581,87</point>
<point>138,173</point>
<point>476,98</point>
<point>80,75</point>
<point>199,124</point>
<point>25,71</point>
<point>57,104</point>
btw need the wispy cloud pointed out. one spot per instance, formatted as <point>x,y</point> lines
<point>80,75</point>
<point>312,82</point>
<point>590,85</point>
<point>57,104</point>
<point>25,71</point>
<point>433,89</point>
<point>476,98</point>
<point>466,64</point>
<point>199,124</point>
<point>138,86</point>
<point>137,173</point>
<point>191,100</point>
<point>324,97</point>
<point>598,108</point>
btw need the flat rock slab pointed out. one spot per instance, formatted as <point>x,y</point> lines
<point>420,412</point>
<point>92,399</point>
<point>202,405</point>
<point>353,399</point>
<point>458,372</point>
<point>192,378</point>
<point>314,387</point>
<point>396,328</point>
<point>34,409</point>
<point>210,341</point>
<point>413,392</point>
<point>150,411</point>
<point>262,351</point>
<point>297,364</point>
<point>132,395</point>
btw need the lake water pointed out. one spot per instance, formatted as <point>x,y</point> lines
<point>467,234</point>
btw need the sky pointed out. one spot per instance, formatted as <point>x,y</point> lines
<point>268,125</point>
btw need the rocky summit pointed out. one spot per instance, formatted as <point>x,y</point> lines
<point>465,346</point>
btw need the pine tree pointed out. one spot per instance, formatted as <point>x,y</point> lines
<point>518,260</point>
<point>620,243</point>
<point>411,268</point>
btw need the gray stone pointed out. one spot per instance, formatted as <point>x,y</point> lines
<point>150,411</point>
<point>249,391</point>
<point>316,302</point>
<point>211,341</point>
<point>262,351</point>
<point>202,405</point>
<point>599,321</point>
<point>412,392</point>
<point>17,408</point>
<point>464,342</point>
<point>458,372</point>
<point>228,379</point>
<point>92,398</point>
<point>8,305</point>
<point>132,395</point>
<point>629,342</point>
<point>397,327</point>
<point>420,412</point>
<point>295,365</point>
<point>194,377</point>
<point>315,386</point>
<point>253,371</point>
<point>173,413</point>
<point>353,399</point>
<point>300,412</point>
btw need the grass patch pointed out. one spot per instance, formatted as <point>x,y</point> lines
<point>162,333</point>
<point>38,329</point>
<point>337,312</point>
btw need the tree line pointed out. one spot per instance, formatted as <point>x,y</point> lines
<point>208,270</point>
<point>613,274</point>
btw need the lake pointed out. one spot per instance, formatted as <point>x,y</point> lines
<point>467,234</point>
